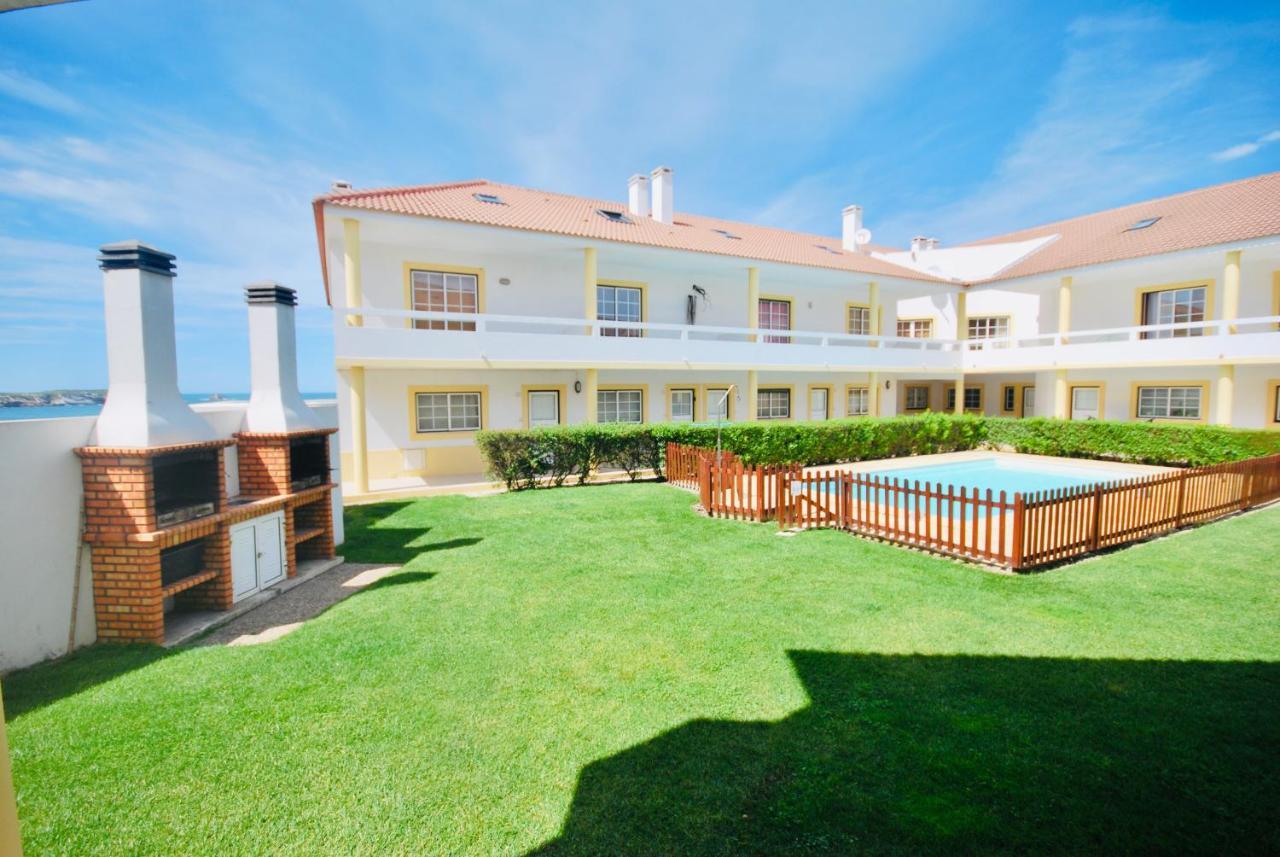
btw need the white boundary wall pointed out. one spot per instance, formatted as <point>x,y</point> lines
<point>40,495</point>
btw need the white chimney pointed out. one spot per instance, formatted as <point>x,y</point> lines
<point>638,195</point>
<point>851,225</point>
<point>931,244</point>
<point>918,246</point>
<point>340,186</point>
<point>275,405</point>
<point>663,210</point>
<point>143,407</point>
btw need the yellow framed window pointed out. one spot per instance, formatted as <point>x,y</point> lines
<point>443,291</point>
<point>773,404</point>
<point>446,412</point>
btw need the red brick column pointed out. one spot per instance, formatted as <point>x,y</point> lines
<point>264,464</point>
<point>126,593</point>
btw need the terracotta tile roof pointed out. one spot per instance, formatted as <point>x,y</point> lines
<point>560,214</point>
<point>1237,211</point>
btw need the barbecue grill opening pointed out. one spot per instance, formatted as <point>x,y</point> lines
<point>308,462</point>
<point>181,562</point>
<point>186,486</point>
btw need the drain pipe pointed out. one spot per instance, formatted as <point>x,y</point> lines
<point>75,584</point>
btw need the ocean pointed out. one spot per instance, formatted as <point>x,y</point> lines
<point>43,412</point>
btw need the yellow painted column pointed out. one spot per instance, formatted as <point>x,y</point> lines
<point>1224,395</point>
<point>351,268</point>
<point>962,333</point>
<point>1231,289</point>
<point>753,394</point>
<point>873,306</point>
<point>753,310</point>
<point>1060,394</point>
<point>873,395</point>
<point>10,842</point>
<point>359,438</point>
<point>1064,307</point>
<point>590,390</point>
<point>590,279</point>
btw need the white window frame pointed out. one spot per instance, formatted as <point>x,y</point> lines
<point>455,406</point>
<point>610,308</point>
<point>1173,306</point>
<point>988,326</point>
<point>718,397</point>
<point>858,320</point>
<point>826,403</point>
<point>773,403</point>
<point>908,389</point>
<point>915,328</point>
<point>453,286</point>
<point>693,403</point>
<point>611,403</point>
<point>861,408</point>
<point>1165,401</point>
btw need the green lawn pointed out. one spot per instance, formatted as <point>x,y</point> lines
<point>601,671</point>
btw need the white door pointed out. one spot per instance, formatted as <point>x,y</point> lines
<point>1084,403</point>
<point>682,406</point>
<point>269,534</point>
<point>244,561</point>
<point>1028,401</point>
<point>717,404</point>
<point>818,403</point>
<point>257,554</point>
<point>544,408</point>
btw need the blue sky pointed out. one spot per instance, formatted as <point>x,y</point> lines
<point>205,128</point>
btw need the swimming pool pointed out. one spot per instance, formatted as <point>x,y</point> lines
<point>999,474</point>
<point>1012,475</point>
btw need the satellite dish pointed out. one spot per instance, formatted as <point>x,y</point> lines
<point>862,236</point>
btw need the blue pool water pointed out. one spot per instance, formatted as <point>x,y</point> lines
<point>998,475</point>
<point>975,477</point>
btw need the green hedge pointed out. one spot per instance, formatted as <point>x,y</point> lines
<point>1146,443</point>
<point>524,459</point>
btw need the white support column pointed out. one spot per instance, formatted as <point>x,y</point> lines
<point>351,268</point>
<point>359,438</point>
<point>1224,395</point>
<point>590,388</point>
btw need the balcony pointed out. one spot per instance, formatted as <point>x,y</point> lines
<point>1244,340</point>
<point>526,342</point>
<point>529,342</point>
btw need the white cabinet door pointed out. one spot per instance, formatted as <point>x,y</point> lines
<point>1084,403</point>
<point>244,561</point>
<point>257,554</point>
<point>270,537</point>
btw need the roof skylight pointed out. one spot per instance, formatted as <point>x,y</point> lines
<point>615,216</point>
<point>490,198</point>
<point>1143,224</point>
<point>727,234</point>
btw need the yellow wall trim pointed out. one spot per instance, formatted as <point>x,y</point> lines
<point>933,324</point>
<point>410,267</point>
<point>849,388</point>
<point>644,396</point>
<point>928,397</point>
<point>808,400</point>
<point>1018,389</point>
<point>969,385</point>
<point>482,389</point>
<point>1204,400</point>
<point>697,398</point>
<point>563,400</point>
<point>1102,395</point>
<point>871,322</point>
<point>1143,291</point>
<point>790,388</point>
<point>705,393</point>
<point>628,284</point>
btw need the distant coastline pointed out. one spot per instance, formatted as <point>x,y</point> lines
<point>51,404</point>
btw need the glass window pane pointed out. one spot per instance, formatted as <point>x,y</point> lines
<point>717,403</point>
<point>682,405</point>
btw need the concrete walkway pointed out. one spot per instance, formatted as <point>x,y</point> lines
<point>288,610</point>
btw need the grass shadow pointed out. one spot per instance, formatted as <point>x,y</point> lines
<point>369,538</point>
<point>399,579</point>
<point>35,687</point>
<point>924,754</point>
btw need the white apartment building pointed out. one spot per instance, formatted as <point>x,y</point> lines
<point>480,305</point>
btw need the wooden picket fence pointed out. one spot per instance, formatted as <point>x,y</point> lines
<point>1018,532</point>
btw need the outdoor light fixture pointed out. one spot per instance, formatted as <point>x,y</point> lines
<point>577,386</point>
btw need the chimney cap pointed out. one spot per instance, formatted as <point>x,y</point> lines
<point>130,255</point>
<point>340,185</point>
<point>270,292</point>
<point>638,177</point>
<point>657,171</point>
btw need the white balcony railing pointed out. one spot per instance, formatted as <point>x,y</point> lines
<point>552,342</point>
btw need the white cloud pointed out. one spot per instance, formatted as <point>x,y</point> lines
<point>1107,132</point>
<point>36,92</point>
<point>1242,150</point>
